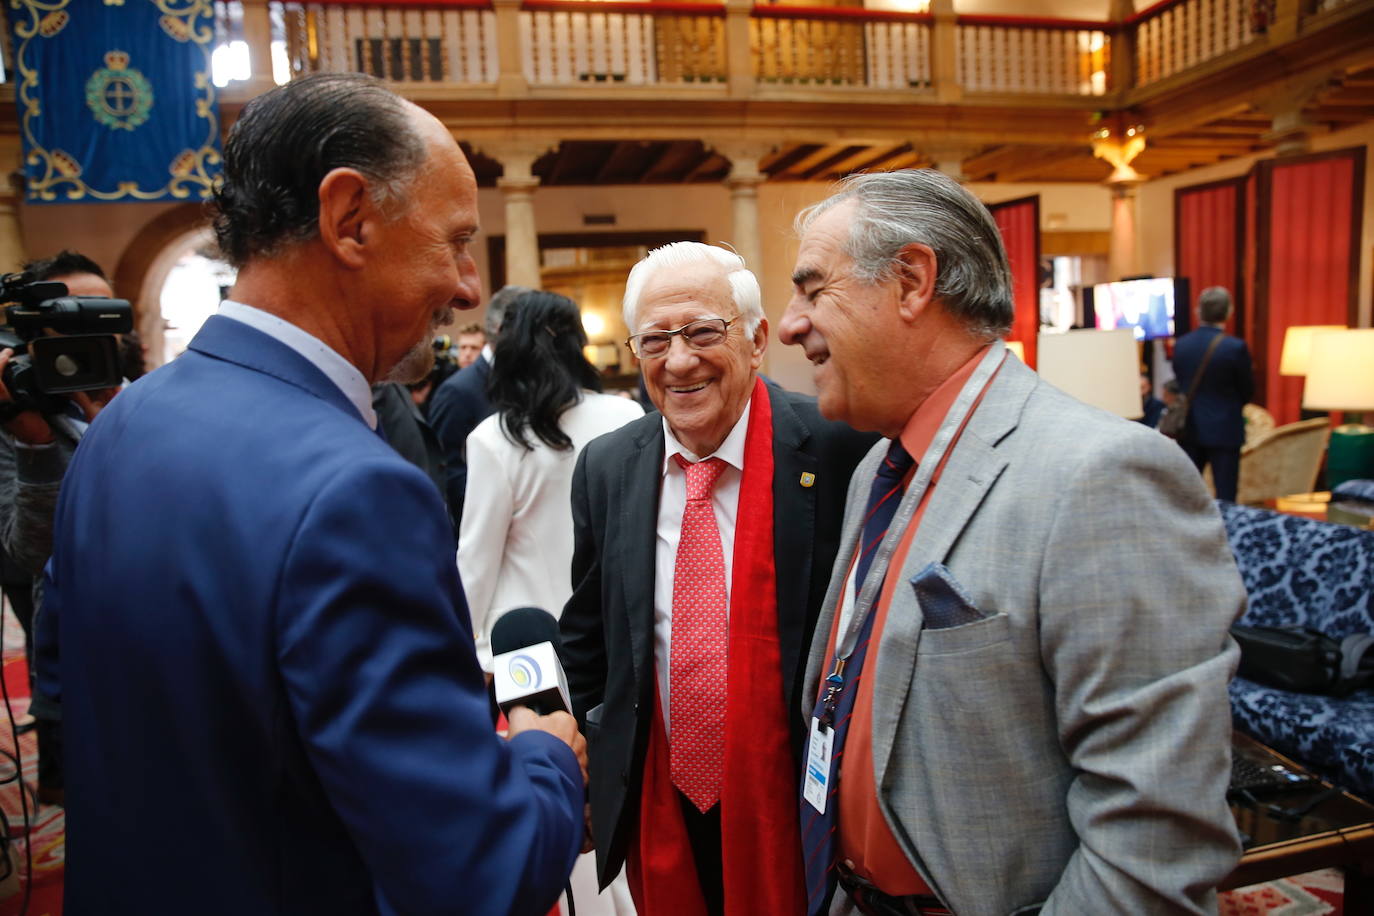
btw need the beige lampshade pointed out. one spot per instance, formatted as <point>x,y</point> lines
<point>1340,374</point>
<point>1297,347</point>
<point>1018,348</point>
<point>1101,368</point>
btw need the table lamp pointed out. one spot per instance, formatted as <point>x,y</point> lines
<point>1340,376</point>
<point>1297,347</point>
<point>1101,368</point>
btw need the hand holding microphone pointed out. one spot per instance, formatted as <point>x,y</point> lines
<point>530,686</point>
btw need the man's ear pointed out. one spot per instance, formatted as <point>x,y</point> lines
<point>916,274</point>
<point>346,211</point>
<point>760,343</point>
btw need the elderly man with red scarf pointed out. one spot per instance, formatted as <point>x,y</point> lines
<point>705,534</point>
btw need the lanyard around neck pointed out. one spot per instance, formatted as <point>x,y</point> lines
<point>929,462</point>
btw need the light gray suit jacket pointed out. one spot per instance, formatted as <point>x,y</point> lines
<point>1069,749</point>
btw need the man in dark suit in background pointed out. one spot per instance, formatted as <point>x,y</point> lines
<point>724,507</point>
<point>265,652</point>
<point>1216,427</point>
<point>460,403</point>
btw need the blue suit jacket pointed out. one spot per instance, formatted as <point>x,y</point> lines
<point>1214,417</point>
<point>267,668</point>
<point>458,405</point>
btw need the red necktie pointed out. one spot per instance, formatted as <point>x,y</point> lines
<point>697,659</point>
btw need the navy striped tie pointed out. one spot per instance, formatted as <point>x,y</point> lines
<point>818,830</point>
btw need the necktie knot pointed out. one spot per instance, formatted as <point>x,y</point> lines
<point>896,462</point>
<point>701,476</point>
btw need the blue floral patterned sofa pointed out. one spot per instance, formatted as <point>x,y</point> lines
<point>1304,573</point>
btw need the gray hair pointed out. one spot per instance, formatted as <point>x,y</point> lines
<point>1214,304</point>
<point>497,305</point>
<point>744,286</point>
<point>896,209</point>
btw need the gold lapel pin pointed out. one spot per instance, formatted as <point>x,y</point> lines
<point>807,478</point>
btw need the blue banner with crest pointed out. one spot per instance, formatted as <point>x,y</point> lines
<point>115,99</point>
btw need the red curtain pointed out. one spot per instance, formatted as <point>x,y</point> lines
<point>1207,241</point>
<point>1019,222</point>
<point>1308,257</point>
<point>1249,311</point>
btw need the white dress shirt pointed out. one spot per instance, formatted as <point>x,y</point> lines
<point>671,503</point>
<point>337,369</point>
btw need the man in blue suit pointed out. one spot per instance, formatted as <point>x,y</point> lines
<point>267,667</point>
<point>1216,427</point>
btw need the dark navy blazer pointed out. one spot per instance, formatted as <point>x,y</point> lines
<point>1214,417</point>
<point>267,668</point>
<point>458,405</point>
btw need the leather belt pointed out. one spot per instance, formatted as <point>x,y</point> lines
<point>873,902</point>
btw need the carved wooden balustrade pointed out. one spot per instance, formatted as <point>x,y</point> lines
<point>520,47</point>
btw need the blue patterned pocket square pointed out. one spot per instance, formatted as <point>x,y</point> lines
<point>944,603</point>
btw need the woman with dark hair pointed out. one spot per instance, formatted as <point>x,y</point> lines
<point>516,540</point>
<point>515,543</point>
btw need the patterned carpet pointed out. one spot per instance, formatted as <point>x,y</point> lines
<point>1315,894</point>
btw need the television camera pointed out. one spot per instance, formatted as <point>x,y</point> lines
<point>62,343</point>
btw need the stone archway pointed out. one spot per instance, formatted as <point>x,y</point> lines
<point>148,259</point>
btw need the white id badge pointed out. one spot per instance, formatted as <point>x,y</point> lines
<point>816,787</point>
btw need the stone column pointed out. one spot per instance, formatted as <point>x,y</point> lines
<point>743,182</point>
<point>510,80</point>
<point>257,33</point>
<point>1123,259</point>
<point>518,183</point>
<point>739,60</point>
<point>1291,130</point>
<point>948,158</point>
<point>12,255</point>
<point>944,52</point>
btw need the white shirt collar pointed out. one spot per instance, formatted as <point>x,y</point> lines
<point>731,451</point>
<point>337,369</point>
<point>489,354</point>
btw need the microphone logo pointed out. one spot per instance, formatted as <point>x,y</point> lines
<point>525,672</point>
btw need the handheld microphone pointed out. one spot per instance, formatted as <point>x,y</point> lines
<point>525,666</point>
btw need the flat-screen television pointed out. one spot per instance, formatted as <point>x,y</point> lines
<point>1151,308</point>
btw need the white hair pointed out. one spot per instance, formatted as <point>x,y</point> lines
<point>744,286</point>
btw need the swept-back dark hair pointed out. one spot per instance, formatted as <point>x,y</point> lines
<point>538,369</point>
<point>63,264</point>
<point>288,139</point>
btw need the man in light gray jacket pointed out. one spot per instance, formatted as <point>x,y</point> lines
<point>1017,686</point>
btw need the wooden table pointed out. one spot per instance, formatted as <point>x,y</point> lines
<point>1338,832</point>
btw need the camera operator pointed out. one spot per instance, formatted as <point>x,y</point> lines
<point>34,450</point>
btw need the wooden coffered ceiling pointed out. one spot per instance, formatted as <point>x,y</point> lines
<point>1242,129</point>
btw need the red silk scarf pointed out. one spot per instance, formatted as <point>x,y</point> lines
<point>760,835</point>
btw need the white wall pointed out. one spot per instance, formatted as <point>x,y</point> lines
<point>1155,209</point>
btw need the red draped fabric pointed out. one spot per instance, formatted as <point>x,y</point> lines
<point>1250,322</point>
<point>1019,222</point>
<point>1308,258</point>
<point>1207,241</point>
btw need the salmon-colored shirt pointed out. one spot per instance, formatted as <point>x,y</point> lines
<point>866,845</point>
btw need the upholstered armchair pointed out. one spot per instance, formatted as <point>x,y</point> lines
<point>1284,462</point>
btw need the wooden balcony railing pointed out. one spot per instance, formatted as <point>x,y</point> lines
<point>453,44</point>
<point>522,46</point>
<point>840,47</point>
<point>567,42</point>
<point>1058,57</point>
<point>1176,35</point>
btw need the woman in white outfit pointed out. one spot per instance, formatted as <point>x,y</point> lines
<point>516,541</point>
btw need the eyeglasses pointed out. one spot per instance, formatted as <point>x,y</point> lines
<point>701,334</point>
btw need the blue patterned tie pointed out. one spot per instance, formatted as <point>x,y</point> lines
<point>818,830</point>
